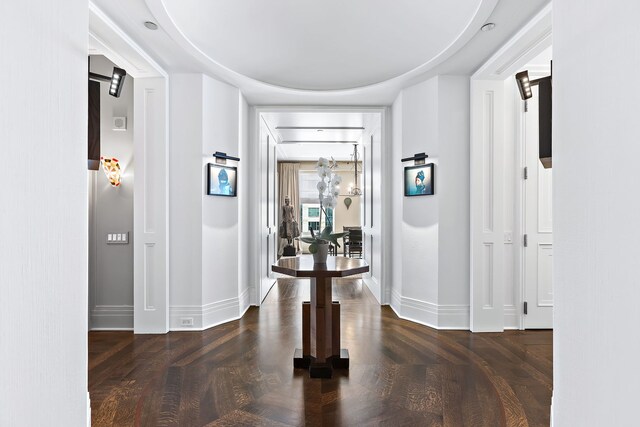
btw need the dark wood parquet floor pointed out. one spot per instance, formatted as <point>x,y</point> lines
<point>241,373</point>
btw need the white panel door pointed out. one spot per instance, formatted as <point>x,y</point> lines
<point>538,228</point>
<point>150,246</point>
<point>268,234</point>
<point>487,202</point>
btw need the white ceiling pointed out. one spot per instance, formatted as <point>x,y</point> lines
<point>318,134</point>
<point>365,51</point>
<point>329,44</point>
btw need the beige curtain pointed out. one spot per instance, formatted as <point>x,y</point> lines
<point>288,186</point>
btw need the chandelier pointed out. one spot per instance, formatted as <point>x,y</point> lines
<point>355,190</point>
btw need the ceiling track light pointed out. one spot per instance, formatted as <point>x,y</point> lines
<point>117,80</point>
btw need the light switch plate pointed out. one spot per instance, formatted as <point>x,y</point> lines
<point>118,238</point>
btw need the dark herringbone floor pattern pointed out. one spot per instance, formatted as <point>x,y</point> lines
<point>241,373</point>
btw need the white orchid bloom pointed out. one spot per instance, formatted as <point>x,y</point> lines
<point>322,162</point>
<point>335,192</point>
<point>322,186</point>
<point>336,180</point>
<point>324,172</point>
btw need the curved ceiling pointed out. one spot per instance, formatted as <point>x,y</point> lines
<point>324,45</point>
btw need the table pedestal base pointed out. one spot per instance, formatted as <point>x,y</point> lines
<point>321,350</point>
<point>321,370</point>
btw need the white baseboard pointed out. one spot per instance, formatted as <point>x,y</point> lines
<point>245,300</point>
<point>443,317</point>
<point>208,315</point>
<point>111,318</point>
<point>419,311</point>
<point>511,317</point>
<point>455,317</point>
<point>396,301</point>
<point>372,284</point>
<point>219,312</point>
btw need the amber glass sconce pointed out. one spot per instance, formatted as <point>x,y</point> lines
<point>111,168</point>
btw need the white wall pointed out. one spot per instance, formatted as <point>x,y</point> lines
<point>111,266</point>
<point>452,189</point>
<point>207,232</point>
<point>43,221</point>
<point>595,202</point>
<point>419,223</point>
<point>394,150</point>
<point>430,243</point>
<point>220,215</point>
<point>245,290</point>
<point>185,212</point>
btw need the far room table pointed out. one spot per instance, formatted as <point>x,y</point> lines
<point>321,350</point>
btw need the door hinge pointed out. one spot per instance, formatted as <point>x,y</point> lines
<point>526,106</point>
<point>526,240</point>
<point>526,173</point>
<point>526,308</point>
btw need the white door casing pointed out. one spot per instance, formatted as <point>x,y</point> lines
<point>150,235</point>
<point>268,208</point>
<point>538,287</point>
<point>487,199</point>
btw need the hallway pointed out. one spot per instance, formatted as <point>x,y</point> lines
<point>240,373</point>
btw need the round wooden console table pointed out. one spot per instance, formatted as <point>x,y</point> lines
<point>321,350</point>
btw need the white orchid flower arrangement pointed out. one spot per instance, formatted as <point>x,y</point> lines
<point>328,191</point>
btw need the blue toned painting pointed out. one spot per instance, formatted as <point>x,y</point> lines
<point>418,180</point>
<point>222,180</point>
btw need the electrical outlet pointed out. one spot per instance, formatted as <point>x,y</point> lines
<point>186,321</point>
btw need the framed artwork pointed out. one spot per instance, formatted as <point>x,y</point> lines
<point>221,180</point>
<point>418,180</point>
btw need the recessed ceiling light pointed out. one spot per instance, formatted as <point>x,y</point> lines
<point>488,27</point>
<point>151,25</point>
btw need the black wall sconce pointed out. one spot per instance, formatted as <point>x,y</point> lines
<point>544,111</point>
<point>418,158</point>
<point>524,84</point>
<point>117,79</point>
<point>221,158</point>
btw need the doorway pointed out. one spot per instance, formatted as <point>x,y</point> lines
<point>111,206</point>
<point>511,239</point>
<point>148,237</point>
<point>300,136</point>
